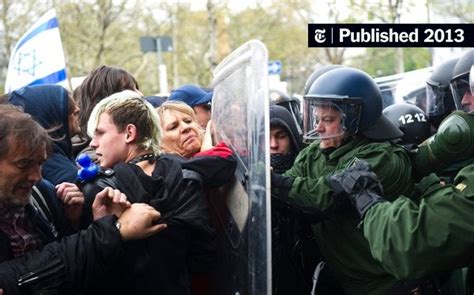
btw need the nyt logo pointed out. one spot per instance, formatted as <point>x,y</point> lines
<point>390,35</point>
<point>320,35</point>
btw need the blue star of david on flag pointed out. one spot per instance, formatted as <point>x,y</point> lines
<point>27,63</point>
<point>38,56</point>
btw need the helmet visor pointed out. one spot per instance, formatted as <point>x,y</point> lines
<point>471,79</point>
<point>435,97</point>
<point>328,120</point>
<point>462,95</point>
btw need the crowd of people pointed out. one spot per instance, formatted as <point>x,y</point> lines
<point>365,200</point>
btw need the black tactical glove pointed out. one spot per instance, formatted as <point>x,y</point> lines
<point>281,185</point>
<point>359,184</point>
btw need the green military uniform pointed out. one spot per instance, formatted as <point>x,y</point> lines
<point>446,153</point>
<point>416,238</point>
<point>449,150</point>
<point>342,243</point>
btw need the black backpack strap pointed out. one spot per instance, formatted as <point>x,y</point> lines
<point>38,201</point>
<point>42,216</point>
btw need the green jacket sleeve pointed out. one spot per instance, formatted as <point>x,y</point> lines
<point>309,187</point>
<point>390,163</point>
<point>413,239</point>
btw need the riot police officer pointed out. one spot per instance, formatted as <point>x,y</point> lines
<point>439,100</point>
<point>462,95</point>
<point>343,115</point>
<point>432,230</point>
<point>450,149</point>
<point>315,75</point>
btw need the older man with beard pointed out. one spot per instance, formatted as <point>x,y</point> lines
<point>31,221</point>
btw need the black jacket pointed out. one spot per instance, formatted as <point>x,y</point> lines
<point>68,266</point>
<point>161,264</point>
<point>67,263</point>
<point>46,215</point>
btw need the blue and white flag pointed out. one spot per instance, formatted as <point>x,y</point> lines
<point>38,57</point>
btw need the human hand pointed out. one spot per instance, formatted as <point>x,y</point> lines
<point>280,180</point>
<point>109,201</point>
<point>207,141</point>
<point>354,179</point>
<point>281,185</point>
<point>137,222</point>
<point>359,184</point>
<point>72,199</point>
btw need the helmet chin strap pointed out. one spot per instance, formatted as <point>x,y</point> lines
<point>329,150</point>
<point>313,135</point>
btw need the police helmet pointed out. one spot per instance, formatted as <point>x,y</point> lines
<point>411,120</point>
<point>316,74</point>
<point>278,97</point>
<point>460,87</point>
<point>355,98</point>
<point>439,100</point>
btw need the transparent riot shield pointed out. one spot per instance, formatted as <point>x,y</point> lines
<point>242,209</point>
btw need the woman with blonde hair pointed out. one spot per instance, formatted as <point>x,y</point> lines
<point>181,134</point>
<point>183,139</point>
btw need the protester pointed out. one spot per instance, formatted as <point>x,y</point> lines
<point>125,135</point>
<point>102,82</point>
<point>183,139</point>
<point>294,250</point>
<point>180,132</point>
<point>78,261</point>
<point>32,224</point>
<point>285,141</point>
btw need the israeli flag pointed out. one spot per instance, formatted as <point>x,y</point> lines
<point>38,57</point>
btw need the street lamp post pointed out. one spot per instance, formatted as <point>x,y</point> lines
<point>159,44</point>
